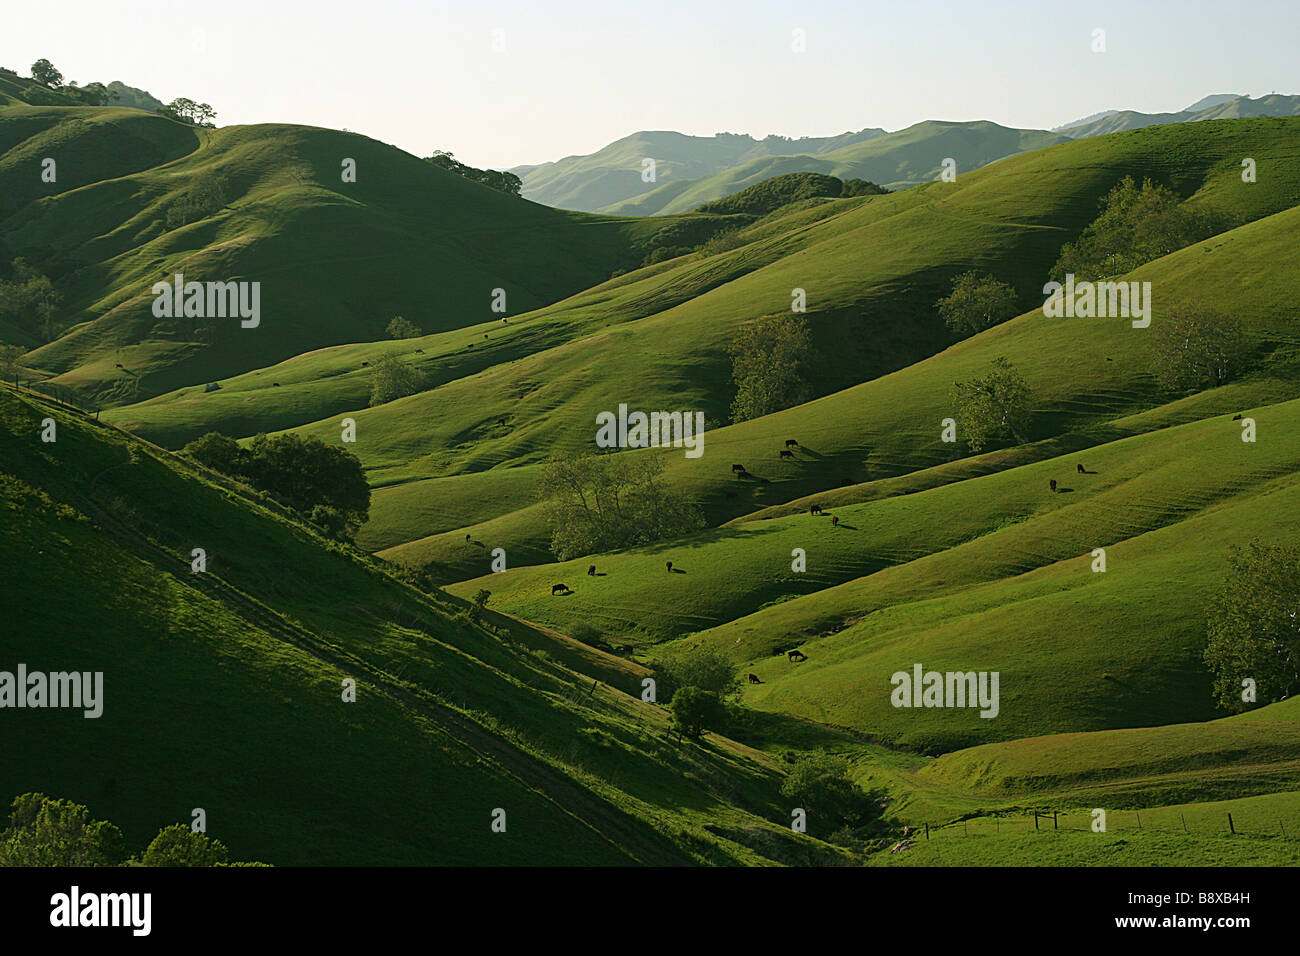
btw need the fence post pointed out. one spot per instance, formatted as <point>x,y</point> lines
<point>1054,826</point>
<point>1035,819</point>
<point>927,831</point>
<point>1231,828</point>
<point>1184,819</point>
<point>1139,816</point>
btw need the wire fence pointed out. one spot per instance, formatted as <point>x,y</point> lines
<point>1198,823</point>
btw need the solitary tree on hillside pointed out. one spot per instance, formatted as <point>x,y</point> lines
<point>695,710</point>
<point>1136,225</point>
<point>1253,623</point>
<point>976,303</point>
<point>401,328</point>
<point>10,358</point>
<point>1196,347</point>
<point>992,405</point>
<point>700,667</point>
<point>820,784</point>
<point>391,379</point>
<point>769,360</point>
<point>597,503</point>
<point>43,72</point>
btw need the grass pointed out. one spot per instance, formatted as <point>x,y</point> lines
<point>255,721</point>
<point>956,561</point>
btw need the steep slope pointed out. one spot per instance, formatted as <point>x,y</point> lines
<point>223,689</point>
<point>335,260</point>
<point>878,266</point>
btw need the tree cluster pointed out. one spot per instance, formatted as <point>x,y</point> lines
<point>505,182</point>
<point>324,483</point>
<point>598,503</point>
<point>44,831</point>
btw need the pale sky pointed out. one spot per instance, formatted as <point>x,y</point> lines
<point>575,75</point>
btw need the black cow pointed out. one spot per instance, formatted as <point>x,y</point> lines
<point>670,566</point>
<point>787,454</point>
<point>275,384</point>
<point>468,537</point>
<point>753,679</point>
<point>791,443</point>
<point>561,589</point>
<point>815,510</point>
<point>364,364</point>
<point>592,570</point>
<point>419,351</point>
<point>738,469</point>
<point>1052,484</point>
<point>1235,418</point>
<point>796,656</point>
<point>835,519</point>
<point>1082,470</point>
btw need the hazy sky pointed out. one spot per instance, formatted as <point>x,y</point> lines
<point>574,75</point>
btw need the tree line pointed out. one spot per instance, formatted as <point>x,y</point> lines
<point>45,831</point>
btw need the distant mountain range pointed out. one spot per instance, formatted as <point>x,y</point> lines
<point>692,170</point>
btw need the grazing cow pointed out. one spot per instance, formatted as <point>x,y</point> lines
<point>835,519</point>
<point>1235,418</point>
<point>753,679</point>
<point>796,656</point>
<point>815,510</point>
<point>275,384</point>
<point>120,365</point>
<point>787,454</point>
<point>467,537</point>
<point>670,566</point>
<point>504,322</point>
<point>560,589</point>
<point>592,570</point>
<point>1052,484</point>
<point>791,443</point>
<point>365,364</point>
<point>1082,470</point>
<point>738,469</point>
<point>484,335</point>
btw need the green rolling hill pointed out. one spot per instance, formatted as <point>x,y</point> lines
<point>899,159</point>
<point>613,174</point>
<point>336,261</point>
<point>939,557</point>
<point>243,664</point>
<point>657,338</point>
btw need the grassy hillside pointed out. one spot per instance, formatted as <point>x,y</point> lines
<point>1210,108</point>
<point>243,665</point>
<point>336,260</point>
<point>903,158</point>
<point>613,174</point>
<point>873,269</point>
